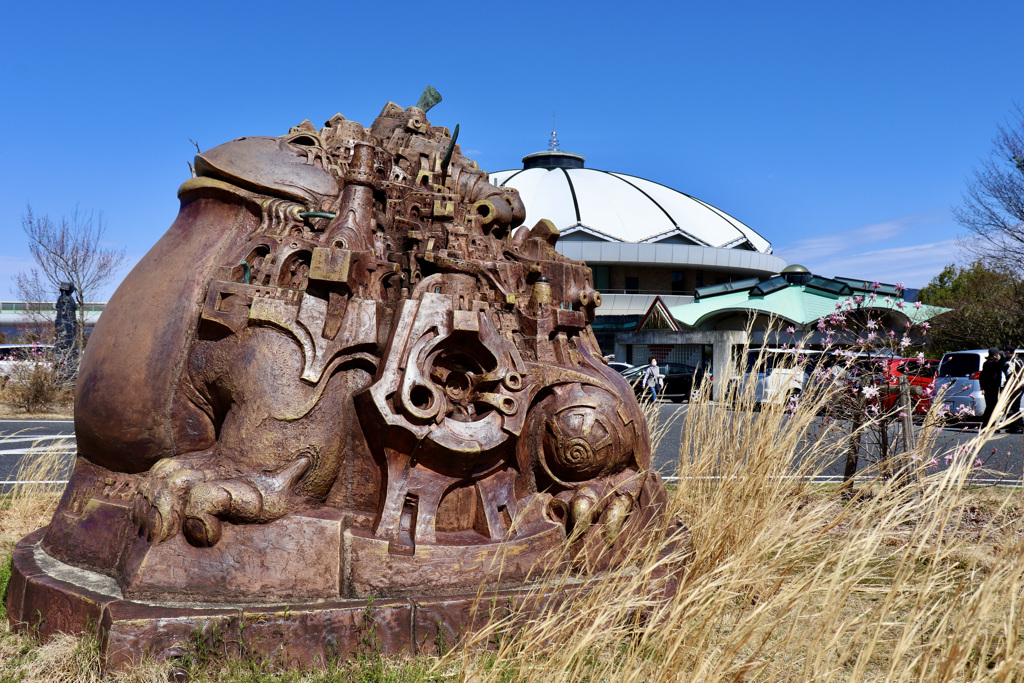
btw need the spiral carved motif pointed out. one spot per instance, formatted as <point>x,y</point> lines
<point>574,455</point>
<point>582,435</point>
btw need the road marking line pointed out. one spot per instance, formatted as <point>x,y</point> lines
<point>35,437</point>
<point>38,451</point>
<point>1009,480</point>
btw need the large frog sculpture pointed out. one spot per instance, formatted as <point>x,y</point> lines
<point>345,371</point>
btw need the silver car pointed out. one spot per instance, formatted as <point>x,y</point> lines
<point>958,383</point>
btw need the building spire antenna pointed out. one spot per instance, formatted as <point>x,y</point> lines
<point>553,142</point>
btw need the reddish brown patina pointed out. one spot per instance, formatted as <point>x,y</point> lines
<point>346,371</point>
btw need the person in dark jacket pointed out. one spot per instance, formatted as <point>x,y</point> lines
<point>1011,368</point>
<point>990,380</point>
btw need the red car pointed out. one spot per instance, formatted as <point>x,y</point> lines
<point>920,373</point>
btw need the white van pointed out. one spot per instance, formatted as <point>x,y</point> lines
<point>777,377</point>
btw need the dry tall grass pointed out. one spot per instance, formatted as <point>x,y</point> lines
<point>28,505</point>
<point>790,580</point>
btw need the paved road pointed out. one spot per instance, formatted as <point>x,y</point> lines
<point>18,437</point>
<point>1003,454</point>
<point>1004,465</point>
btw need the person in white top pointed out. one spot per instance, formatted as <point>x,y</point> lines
<point>653,380</point>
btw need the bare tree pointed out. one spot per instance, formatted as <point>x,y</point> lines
<point>67,251</point>
<point>993,206</point>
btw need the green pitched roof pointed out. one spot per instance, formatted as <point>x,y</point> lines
<point>799,304</point>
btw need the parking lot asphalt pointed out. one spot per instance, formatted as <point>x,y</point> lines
<point>1003,453</point>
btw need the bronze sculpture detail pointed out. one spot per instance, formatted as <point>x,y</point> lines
<point>346,371</point>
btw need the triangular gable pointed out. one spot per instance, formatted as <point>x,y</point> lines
<point>579,228</point>
<point>675,236</point>
<point>658,317</point>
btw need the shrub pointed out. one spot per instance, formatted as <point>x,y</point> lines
<point>38,383</point>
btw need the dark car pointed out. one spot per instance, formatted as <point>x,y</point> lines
<point>680,380</point>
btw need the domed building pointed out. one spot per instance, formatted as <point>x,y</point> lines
<point>682,280</point>
<point>643,240</point>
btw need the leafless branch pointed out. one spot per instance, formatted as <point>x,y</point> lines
<point>993,203</point>
<point>67,250</point>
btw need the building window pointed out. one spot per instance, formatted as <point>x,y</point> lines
<point>677,282</point>
<point>700,278</point>
<point>601,278</point>
<point>660,351</point>
<point>632,284</point>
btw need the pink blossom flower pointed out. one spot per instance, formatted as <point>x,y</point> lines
<point>900,303</point>
<point>899,287</point>
<point>978,463</point>
<point>917,304</point>
<point>876,285</point>
<point>790,329</point>
<point>870,392</point>
<point>933,463</point>
<point>871,323</point>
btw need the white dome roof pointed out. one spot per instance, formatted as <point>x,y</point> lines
<point>618,207</point>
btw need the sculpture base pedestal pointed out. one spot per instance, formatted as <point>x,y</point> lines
<point>48,597</point>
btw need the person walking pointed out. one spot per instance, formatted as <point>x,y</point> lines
<point>653,379</point>
<point>1011,372</point>
<point>990,380</point>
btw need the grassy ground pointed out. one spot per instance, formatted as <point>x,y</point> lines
<point>789,581</point>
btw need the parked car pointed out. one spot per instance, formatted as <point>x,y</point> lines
<point>15,356</point>
<point>619,366</point>
<point>958,381</point>
<point>920,373</point>
<point>776,374</point>
<point>680,380</point>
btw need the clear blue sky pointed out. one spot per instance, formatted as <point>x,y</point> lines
<point>842,132</point>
